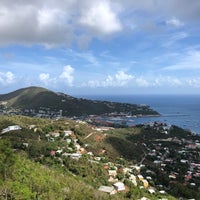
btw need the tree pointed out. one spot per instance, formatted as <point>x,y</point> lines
<point>7,158</point>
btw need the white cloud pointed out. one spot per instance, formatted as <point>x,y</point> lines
<point>7,78</point>
<point>56,23</point>
<point>45,78</point>
<point>67,75</point>
<point>141,82</point>
<point>174,22</point>
<point>175,38</point>
<point>194,82</point>
<point>189,61</point>
<point>160,81</point>
<point>100,18</point>
<point>120,79</point>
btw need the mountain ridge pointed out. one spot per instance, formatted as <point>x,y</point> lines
<point>37,97</point>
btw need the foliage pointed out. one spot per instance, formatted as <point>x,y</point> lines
<point>36,98</point>
<point>90,172</point>
<point>178,190</point>
<point>7,159</point>
<point>29,180</point>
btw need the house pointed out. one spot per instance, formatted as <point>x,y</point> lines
<point>75,156</point>
<point>162,192</point>
<point>67,133</point>
<point>119,186</point>
<point>140,177</point>
<point>59,151</point>
<point>126,170</point>
<point>172,176</point>
<point>112,180</point>
<point>90,153</point>
<point>136,167</point>
<point>132,178</point>
<point>78,146</point>
<point>157,162</point>
<point>184,161</point>
<point>112,173</point>
<point>52,153</point>
<point>11,128</point>
<point>148,178</point>
<point>145,183</point>
<point>25,145</point>
<point>55,134</point>
<point>144,198</point>
<point>68,141</point>
<point>151,191</point>
<point>107,189</point>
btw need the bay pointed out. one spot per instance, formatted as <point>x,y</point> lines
<point>180,110</point>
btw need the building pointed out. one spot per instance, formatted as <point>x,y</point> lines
<point>11,128</point>
<point>107,189</point>
<point>119,186</point>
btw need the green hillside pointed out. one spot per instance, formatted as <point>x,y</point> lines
<point>21,178</point>
<point>31,100</point>
<point>35,164</point>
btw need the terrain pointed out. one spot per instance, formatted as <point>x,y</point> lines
<point>47,159</point>
<point>37,101</point>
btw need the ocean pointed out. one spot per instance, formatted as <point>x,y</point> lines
<point>180,110</point>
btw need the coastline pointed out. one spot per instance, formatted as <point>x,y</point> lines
<point>180,110</point>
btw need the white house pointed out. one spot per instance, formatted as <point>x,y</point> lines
<point>112,173</point>
<point>119,186</point>
<point>110,190</point>
<point>75,156</point>
<point>11,128</point>
<point>67,133</point>
<point>140,177</point>
<point>151,191</point>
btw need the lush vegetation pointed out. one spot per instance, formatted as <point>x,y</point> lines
<point>37,98</point>
<point>21,178</point>
<point>30,171</point>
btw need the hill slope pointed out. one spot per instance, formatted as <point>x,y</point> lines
<point>36,98</point>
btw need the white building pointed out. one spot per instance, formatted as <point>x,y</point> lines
<point>119,186</point>
<point>107,189</point>
<point>67,133</point>
<point>11,128</point>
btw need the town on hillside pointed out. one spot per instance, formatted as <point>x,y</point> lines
<point>169,163</point>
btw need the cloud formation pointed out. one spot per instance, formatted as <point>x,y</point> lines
<point>120,79</point>
<point>100,18</point>
<point>67,75</point>
<point>175,22</point>
<point>190,61</point>
<point>62,23</point>
<point>7,78</point>
<point>55,23</point>
<point>44,77</point>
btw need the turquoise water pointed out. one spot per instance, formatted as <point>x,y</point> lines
<point>180,110</point>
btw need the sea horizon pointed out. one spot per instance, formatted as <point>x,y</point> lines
<point>182,110</point>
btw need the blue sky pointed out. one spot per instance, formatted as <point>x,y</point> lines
<point>101,47</point>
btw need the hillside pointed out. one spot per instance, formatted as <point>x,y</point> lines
<point>82,154</point>
<point>41,167</point>
<point>36,101</point>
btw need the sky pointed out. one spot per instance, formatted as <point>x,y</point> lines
<point>101,46</point>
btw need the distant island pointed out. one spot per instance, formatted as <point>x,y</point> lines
<point>41,102</point>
